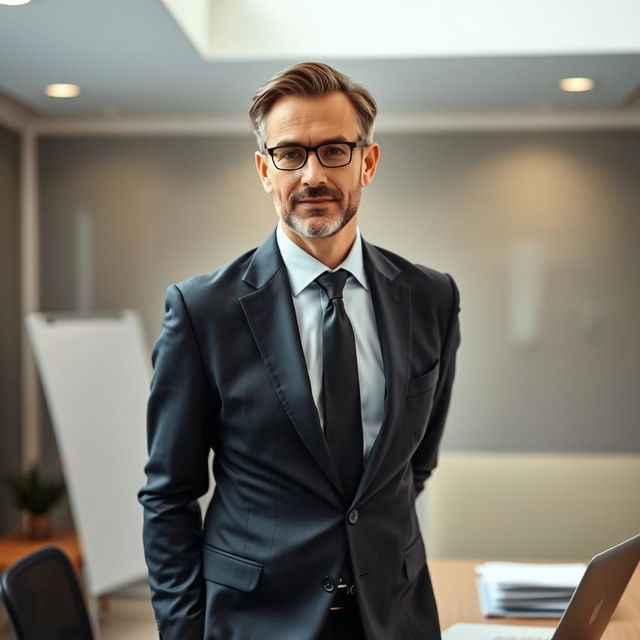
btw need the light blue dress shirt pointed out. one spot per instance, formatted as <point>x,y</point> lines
<point>310,302</point>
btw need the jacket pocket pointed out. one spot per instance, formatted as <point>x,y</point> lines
<point>423,383</point>
<point>415,559</point>
<point>229,569</point>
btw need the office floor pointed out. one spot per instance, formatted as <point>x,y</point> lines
<point>127,618</point>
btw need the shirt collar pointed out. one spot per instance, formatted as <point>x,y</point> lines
<point>303,268</point>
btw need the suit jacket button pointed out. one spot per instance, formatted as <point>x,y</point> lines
<point>328,584</point>
<point>353,516</point>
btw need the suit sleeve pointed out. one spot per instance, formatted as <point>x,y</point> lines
<point>179,421</point>
<point>426,456</point>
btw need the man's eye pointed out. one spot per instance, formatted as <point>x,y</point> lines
<point>289,154</point>
<point>335,151</point>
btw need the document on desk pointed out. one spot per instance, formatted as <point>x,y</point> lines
<point>522,590</point>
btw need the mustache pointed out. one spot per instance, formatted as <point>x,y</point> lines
<point>315,192</point>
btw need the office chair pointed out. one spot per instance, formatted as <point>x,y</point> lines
<point>43,599</point>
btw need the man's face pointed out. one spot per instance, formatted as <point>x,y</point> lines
<point>315,201</point>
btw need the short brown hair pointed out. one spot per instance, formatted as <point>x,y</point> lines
<point>311,79</point>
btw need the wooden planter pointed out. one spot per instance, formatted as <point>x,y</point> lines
<point>36,526</point>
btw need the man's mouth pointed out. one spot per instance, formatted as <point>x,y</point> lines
<point>315,200</point>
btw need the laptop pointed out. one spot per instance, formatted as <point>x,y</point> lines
<point>589,610</point>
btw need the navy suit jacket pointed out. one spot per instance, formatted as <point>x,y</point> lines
<point>230,375</point>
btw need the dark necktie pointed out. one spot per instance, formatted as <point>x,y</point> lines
<point>341,391</point>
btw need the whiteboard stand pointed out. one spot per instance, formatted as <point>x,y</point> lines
<point>95,370</point>
<point>93,609</point>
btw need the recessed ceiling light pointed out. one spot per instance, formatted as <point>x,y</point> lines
<point>576,84</point>
<point>14,3</point>
<point>62,90</point>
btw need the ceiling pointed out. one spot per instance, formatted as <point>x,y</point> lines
<point>132,59</point>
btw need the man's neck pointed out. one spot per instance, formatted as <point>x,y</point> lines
<point>330,251</point>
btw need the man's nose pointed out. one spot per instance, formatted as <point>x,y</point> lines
<point>313,173</point>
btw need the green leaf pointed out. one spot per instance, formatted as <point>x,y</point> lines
<point>32,494</point>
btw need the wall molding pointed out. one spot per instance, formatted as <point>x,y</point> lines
<point>14,116</point>
<point>30,294</point>
<point>415,122</point>
<point>508,120</point>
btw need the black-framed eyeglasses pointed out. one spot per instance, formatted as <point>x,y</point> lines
<point>290,157</point>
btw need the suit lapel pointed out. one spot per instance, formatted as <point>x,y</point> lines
<point>271,316</point>
<point>392,307</point>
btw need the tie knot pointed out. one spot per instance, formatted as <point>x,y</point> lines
<point>333,282</point>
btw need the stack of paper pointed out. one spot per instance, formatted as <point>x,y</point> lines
<point>520,590</point>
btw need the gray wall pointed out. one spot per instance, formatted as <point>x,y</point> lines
<point>10,326</point>
<point>165,208</point>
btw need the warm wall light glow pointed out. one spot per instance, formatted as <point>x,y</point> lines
<point>62,90</point>
<point>14,3</point>
<point>576,84</point>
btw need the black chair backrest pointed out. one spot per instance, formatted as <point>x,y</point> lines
<point>43,598</point>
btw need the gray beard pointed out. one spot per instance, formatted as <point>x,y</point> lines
<point>317,225</point>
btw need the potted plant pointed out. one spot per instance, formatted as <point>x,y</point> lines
<point>36,497</point>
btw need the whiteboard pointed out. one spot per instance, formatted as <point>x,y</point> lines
<point>95,370</point>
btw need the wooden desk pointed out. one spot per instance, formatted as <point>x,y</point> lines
<point>454,584</point>
<point>15,546</point>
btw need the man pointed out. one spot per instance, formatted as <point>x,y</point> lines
<point>319,369</point>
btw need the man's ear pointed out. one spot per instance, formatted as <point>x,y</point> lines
<point>263,171</point>
<point>369,163</point>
